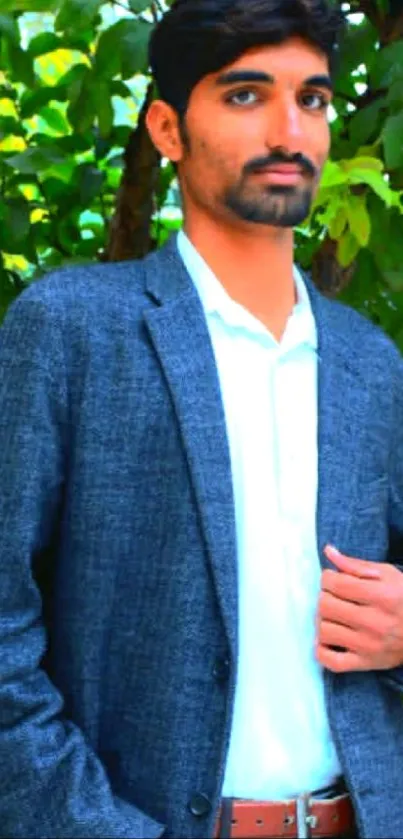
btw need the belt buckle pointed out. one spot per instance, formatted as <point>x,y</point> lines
<point>305,820</point>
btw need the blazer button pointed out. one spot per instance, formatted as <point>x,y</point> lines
<point>221,670</point>
<point>199,805</point>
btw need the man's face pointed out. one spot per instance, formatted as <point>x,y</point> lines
<point>257,136</point>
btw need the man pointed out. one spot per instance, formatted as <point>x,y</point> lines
<point>201,465</point>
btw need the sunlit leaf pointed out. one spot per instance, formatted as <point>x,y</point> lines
<point>332,175</point>
<point>55,119</point>
<point>358,218</point>
<point>360,162</point>
<point>347,249</point>
<point>337,223</point>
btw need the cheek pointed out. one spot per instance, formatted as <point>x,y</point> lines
<point>212,158</point>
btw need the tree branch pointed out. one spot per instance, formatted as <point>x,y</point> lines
<point>129,234</point>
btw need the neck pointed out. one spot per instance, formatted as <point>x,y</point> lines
<point>254,263</point>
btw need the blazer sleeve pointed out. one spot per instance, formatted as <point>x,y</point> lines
<point>394,677</point>
<point>51,782</point>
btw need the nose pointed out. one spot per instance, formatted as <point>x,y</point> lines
<point>285,128</point>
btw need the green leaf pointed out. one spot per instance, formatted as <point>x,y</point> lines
<point>120,135</point>
<point>123,48</point>
<point>119,88</point>
<point>56,191</point>
<point>107,60</point>
<point>76,143</point>
<point>28,5</point>
<point>337,224</point>
<point>83,102</point>
<point>35,160</point>
<point>11,126</point>
<point>347,249</point>
<point>8,92</point>
<point>44,43</point>
<point>392,136</point>
<point>395,93</point>
<point>9,27</point>
<point>333,175</point>
<point>357,47</point>
<point>386,237</point>
<point>138,6</point>
<point>21,64</point>
<point>104,108</point>
<point>135,49</point>
<point>388,65</point>
<point>9,290</point>
<point>77,14</point>
<point>358,218</point>
<point>33,100</point>
<point>73,77</point>
<point>17,219</point>
<point>376,181</point>
<point>398,338</point>
<point>68,232</point>
<point>394,279</point>
<point>364,124</point>
<point>55,119</point>
<point>90,181</point>
<point>373,164</point>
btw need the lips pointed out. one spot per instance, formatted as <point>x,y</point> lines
<point>280,169</point>
<point>280,174</point>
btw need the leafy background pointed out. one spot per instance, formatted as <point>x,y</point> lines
<point>79,179</point>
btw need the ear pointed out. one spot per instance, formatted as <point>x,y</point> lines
<point>163,127</point>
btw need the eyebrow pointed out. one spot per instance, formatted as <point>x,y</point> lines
<point>319,81</point>
<point>247,76</point>
<point>241,76</point>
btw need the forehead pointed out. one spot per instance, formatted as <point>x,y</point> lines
<point>291,62</point>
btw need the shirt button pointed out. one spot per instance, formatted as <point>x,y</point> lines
<point>221,670</point>
<point>199,805</point>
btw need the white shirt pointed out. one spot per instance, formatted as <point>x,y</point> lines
<point>281,743</point>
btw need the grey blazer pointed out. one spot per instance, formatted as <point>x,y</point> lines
<point>118,584</point>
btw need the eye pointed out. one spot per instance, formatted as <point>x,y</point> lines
<point>242,98</point>
<point>314,101</point>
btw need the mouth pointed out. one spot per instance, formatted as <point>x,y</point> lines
<point>281,174</point>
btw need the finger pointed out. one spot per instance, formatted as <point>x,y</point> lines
<point>341,662</point>
<point>352,589</point>
<point>356,616</point>
<point>350,640</point>
<point>353,566</point>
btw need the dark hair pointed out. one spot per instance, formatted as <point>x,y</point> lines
<point>198,37</point>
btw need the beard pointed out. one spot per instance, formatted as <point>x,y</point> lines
<point>277,206</point>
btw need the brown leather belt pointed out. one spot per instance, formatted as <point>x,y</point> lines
<point>301,817</point>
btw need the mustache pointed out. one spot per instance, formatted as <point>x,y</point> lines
<point>298,159</point>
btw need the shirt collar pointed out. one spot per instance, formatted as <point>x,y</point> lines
<point>301,326</point>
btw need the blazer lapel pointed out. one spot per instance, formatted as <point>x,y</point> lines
<point>342,414</point>
<point>179,333</point>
